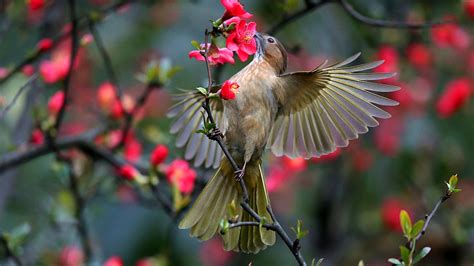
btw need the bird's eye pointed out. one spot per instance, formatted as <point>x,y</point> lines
<point>271,40</point>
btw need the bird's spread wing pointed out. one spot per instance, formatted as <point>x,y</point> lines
<point>325,108</point>
<point>188,119</point>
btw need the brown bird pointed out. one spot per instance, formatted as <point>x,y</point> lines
<point>299,114</point>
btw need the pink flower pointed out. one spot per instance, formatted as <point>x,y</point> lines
<point>3,72</point>
<point>276,178</point>
<point>106,96</point>
<point>114,261</point>
<point>44,45</point>
<point>296,165</point>
<point>71,256</point>
<point>55,102</point>
<point>390,213</point>
<point>215,55</point>
<point>158,155</point>
<point>229,90</point>
<point>35,4</point>
<point>28,70</point>
<point>469,8</point>
<point>242,40</point>
<point>450,35</point>
<point>128,172</point>
<point>219,257</point>
<point>390,56</point>
<point>233,8</point>
<point>328,157</point>
<point>37,137</point>
<point>419,55</point>
<point>56,68</point>
<point>132,150</point>
<point>181,175</point>
<point>454,97</point>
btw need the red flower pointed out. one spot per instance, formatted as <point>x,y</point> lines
<point>233,8</point>
<point>132,150</point>
<point>37,137</point>
<point>114,261</point>
<point>215,55</point>
<point>295,165</point>
<point>328,157</point>
<point>128,172</point>
<point>35,4</point>
<point>276,178</point>
<point>55,102</point>
<point>181,175</point>
<point>117,110</point>
<point>56,68</point>
<point>229,90</point>
<point>28,70</point>
<point>454,97</point>
<point>450,35</point>
<point>361,160</point>
<point>469,8</point>
<point>242,40</point>
<point>390,56</point>
<point>71,256</point>
<point>390,214</point>
<point>3,72</point>
<point>158,155</point>
<point>44,45</point>
<point>419,55</point>
<point>106,96</point>
<point>219,257</point>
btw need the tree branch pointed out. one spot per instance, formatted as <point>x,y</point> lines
<point>17,95</point>
<point>72,60</point>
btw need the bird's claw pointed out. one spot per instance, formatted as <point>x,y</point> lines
<point>214,134</point>
<point>239,174</point>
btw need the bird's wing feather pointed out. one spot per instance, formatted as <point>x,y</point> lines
<point>324,108</point>
<point>188,119</point>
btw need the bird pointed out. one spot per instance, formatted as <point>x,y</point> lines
<point>295,114</point>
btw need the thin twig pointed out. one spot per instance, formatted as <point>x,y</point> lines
<point>384,23</point>
<point>130,116</point>
<point>428,217</point>
<point>106,59</point>
<point>17,95</point>
<point>9,253</point>
<point>72,60</point>
<point>81,223</point>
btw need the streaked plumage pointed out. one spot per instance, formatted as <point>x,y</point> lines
<point>307,114</point>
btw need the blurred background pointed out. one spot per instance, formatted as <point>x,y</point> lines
<point>349,200</point>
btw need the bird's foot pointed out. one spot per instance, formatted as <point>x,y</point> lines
<point>239,174</point>
<point>214,134</point>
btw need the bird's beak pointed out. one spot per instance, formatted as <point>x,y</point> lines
<point>260,43</point>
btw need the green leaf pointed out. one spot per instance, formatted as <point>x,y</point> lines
<point>202,90</point>
<point>17,236</point>
<point>405,222</point>
<point>417,228</point>
<point>314,263</point>
<point>453,180</point>
<point>394,261</point>
<point>196,44</point>
<point>405,254</point>
<point>424,251</point>
<point>224,226</point>
<point>300,233</point>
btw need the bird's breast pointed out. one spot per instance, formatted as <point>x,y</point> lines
<point>251,114</point>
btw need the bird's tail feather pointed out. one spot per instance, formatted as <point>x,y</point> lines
<point>212,204</point>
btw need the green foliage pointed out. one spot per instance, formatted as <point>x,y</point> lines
<point>300,233</point>
<point>17,237</point>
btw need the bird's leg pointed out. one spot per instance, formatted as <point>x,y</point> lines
<point>214,134</point>
<point>239,174</point>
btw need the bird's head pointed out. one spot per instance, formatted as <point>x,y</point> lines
<point>272,51</point>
